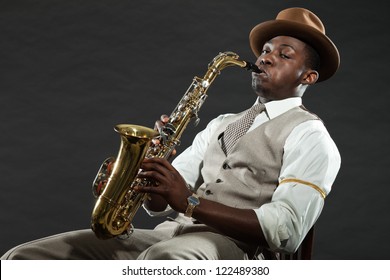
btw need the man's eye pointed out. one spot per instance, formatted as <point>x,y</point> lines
<point>284,56</point>
<point>264,51</point>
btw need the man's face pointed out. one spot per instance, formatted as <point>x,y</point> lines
<point>283,67</point>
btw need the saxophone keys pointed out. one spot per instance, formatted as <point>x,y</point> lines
<point>102,176</point>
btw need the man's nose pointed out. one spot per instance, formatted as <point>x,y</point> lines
<point>264,59</point>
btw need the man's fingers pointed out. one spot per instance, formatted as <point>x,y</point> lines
<point>147,189</point>
<point>158,164</point>
<point>158,125</point>
<point>164,118</point>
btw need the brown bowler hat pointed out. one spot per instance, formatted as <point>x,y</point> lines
<point>303,25</point>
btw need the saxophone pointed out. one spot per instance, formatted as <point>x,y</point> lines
<point>117,201</point>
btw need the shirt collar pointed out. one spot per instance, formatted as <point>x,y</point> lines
<point>278,107</point>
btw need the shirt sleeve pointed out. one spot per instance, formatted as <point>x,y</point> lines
<point>311,162</point>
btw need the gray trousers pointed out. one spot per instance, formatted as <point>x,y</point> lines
<point>170,240</point>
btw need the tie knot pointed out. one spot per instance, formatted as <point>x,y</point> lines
<point>258,108</point>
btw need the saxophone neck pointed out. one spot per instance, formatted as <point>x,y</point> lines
<point>223,60</point>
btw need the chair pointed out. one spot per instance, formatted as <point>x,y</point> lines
<point>304,251</point>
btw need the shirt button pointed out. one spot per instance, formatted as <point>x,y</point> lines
<point>218,181</point>
<point>225,166</point>
<point>207,192</point>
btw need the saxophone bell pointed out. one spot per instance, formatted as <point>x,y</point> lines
<point>113,186</point>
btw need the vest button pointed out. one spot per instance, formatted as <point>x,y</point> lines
<point>225,166</point>
<point>207,192</point>
<point>218,181</point>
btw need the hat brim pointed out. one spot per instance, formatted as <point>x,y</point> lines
<point>329,55</point>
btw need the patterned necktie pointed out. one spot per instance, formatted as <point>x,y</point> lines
<point>238,128</point>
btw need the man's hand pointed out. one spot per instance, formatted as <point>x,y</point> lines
<point>169,184</point>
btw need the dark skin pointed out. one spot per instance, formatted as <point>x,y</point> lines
<point>284,71</point>
<point>284,74</point>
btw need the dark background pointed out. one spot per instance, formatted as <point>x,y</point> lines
<point>71,70</point>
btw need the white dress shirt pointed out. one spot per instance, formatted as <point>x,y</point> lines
<point>310,156</point>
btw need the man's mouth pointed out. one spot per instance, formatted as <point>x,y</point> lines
<point>261,72</point>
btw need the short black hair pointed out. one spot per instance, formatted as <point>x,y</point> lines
<point>313,60</point>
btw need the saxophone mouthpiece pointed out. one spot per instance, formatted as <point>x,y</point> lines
<point>252,67</point>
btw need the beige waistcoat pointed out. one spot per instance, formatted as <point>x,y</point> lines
<point>248,176</point>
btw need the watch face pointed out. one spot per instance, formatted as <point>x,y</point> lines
<point>193,200</point>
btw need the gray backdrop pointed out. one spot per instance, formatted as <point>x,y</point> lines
<point>71,70</point>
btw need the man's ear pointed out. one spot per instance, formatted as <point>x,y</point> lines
<point>310,77</point>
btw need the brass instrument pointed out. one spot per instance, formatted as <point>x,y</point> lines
<point>117,202</point>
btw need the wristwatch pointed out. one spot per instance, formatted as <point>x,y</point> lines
<point>193,201</point>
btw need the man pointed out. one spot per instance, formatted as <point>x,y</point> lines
<point>237,198</point>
